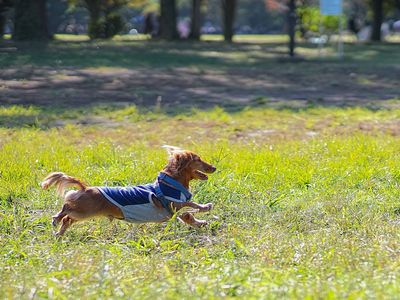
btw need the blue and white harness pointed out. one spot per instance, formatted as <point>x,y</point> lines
<point>136,202</point>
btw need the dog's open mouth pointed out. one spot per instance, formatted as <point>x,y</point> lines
<point>201,175</point>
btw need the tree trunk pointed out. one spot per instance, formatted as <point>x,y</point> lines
<point>2,24</point>
<point>30,20</point>
<point>228,11</point>
<point>195,24</point>
<point>292,27</point>
<point>377,10</point>
<point>95,27</point>
<point>168,20</point>
<point>5,5</point>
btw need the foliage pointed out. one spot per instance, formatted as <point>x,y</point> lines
<point>255,17</point>
<point>310,21</point>
<point>105,27</point>
<point>145,6</point>
<point>105,19</point>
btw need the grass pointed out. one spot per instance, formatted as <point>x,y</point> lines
<point>306,204</point>
<point>248,51</point>
<point>254,70</point>
<point>306,194</point>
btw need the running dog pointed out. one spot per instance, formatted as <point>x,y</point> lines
<point>155,202</point>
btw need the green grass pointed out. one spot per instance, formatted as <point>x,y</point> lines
<point>248,51</point>
<point>306,194</point>
<point>306,204</point>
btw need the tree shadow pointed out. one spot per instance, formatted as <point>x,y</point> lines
<point>178,77</point>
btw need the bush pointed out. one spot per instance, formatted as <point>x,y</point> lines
<point>310,20</point>
<point>113,25</point>
<point>105,27</point>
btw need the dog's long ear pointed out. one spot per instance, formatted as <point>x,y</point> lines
<point>178,161</point>
<point>172,150</point>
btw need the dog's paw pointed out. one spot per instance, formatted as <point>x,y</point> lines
<point>54,222</point>
<point>206,207</point>
<point>200,223</point>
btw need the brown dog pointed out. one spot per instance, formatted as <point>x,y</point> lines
<point>155,202</point>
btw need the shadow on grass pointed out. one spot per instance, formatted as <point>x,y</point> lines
<point>125,54</point>
<point>63,76</point>
<point>148,53</point>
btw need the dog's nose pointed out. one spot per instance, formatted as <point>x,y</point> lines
<point>213,169</point>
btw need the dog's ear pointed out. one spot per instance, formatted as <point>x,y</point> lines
<point>172,150</point>
<point>179,161</point>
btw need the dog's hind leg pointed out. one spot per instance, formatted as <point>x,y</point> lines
<point>61,214</point>
<point>65,223</point>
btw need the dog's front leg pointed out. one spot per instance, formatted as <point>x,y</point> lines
<point>189,219</point>
<point>66,222</point>
<point>201,207</point>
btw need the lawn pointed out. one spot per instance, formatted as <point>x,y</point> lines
<point>203,74</point>
<point>306,192</point>
<point>306,205</point>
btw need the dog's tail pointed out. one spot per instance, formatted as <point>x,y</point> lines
<point>61,181</point>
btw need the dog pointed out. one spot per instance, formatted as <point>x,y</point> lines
<point>156,202</point>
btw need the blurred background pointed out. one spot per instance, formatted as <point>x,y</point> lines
<point>189,19</point>
<point>198,53</point>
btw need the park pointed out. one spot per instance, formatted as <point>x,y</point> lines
<point>305,141</point>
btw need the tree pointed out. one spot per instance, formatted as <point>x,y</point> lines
<point>5,5</point>
<point>288,6</point>
<point>292,26</point>
<point>30,20</point>
<point>310,21</point>
<point>379,8</point>
<point>291,8</point>
<point>228,17</point>
<point>195,25</point>
<point>377,11</point>
<point>168,20</point>
<point>104,18</point>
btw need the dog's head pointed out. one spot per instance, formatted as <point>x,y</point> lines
<point>187,163</point>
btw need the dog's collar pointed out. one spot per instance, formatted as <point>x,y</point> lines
<point>164,179</point>
<point>168,180</point>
